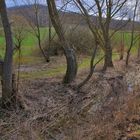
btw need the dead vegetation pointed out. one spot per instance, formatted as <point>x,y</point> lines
<point>105,108</point>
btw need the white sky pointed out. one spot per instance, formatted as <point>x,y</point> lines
<point>10,3</point>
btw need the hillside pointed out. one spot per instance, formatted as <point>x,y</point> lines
<point>68,18</point>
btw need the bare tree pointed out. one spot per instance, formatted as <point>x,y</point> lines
<point>105,11</point>
<point>33,18</point>
<point>122,46</point>
<point>19,29</point>
<point>139,48</point>
<point>92,65</point>
<point>132,33</point>
<point>138,15</point>
<point>8,95</point>
<point>69,52</point>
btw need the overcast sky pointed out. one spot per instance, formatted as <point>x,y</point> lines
<point>10,3</point>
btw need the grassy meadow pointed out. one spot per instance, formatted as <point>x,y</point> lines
<point>29,44</point>
<point>30,51</point>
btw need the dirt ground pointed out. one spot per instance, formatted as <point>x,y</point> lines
<point>106,108</point>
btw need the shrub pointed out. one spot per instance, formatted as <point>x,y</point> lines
<point>80,39</point>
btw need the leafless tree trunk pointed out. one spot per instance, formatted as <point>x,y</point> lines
<point>105,30</point>
<point>8,96</point>
<point>139,49</point>
<point>132,34</point>
<point>108,55</point>
<point>92,66</point>
<point>69,52</point>
<point>122,46</point>
<point>35,25</point>
<point>38,32</point>
<point>139,53</point>
<point>105,11</point>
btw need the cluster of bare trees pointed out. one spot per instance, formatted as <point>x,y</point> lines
<point>105,10</point>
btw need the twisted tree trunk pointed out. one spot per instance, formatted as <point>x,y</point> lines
<point>108,56</point>
<point>68,51</point>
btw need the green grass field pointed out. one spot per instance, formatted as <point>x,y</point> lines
<point>29,45</point>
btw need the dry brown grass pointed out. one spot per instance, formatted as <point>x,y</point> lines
<point>104,109</point>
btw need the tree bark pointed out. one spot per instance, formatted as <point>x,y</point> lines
<point>68,51</point>
<point>108,56</point>
<point>139,50</point>
<point>122,46</point>
<point>139,53</point>
<point>8,96</point>
<point>127,57</point>
<point>38,34</point>
<point>132,34</point>
<point>71,65</point>
<point>47,59</point>
<point>122,52</point>
<point>91,68</point>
